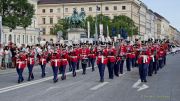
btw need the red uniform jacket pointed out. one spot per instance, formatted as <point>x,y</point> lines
<point>92,53</point>
<point>102,59</point>
<point>111,55</point>
<point>42,60</point>
<point>30,60</point>
<point>21,63</point>
<point>74,57</point>
<point>84,53</point>
<point>122,50</point>
<point>64,58</point>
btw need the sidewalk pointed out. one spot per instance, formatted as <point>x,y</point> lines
<point>8,70</point>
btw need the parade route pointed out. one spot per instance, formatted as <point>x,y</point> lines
<point>163,86</point>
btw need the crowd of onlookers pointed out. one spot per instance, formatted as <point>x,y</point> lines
<point>8,55</point>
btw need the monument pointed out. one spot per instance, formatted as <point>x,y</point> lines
<point>76,24</point>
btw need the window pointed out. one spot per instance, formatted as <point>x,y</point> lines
<point>18,39</point>
<point>59,10</point>
<point>82,9</point>
<point>51,20</point>
<point>106,8</point>
<point>98,8</point>
<point>43,11</point>
<point>44,31</point>
<point>14,38</point>
<point>44,20</point>
<point>27,39</point>
<point>23,39</point>
<point>123,7</point>
<point>51,31</point>
<point>34,39</point>
<point>66,9</point>
<point>51,10</point>
<point>115,8</point>
<point>31,39</point>
<point>90,9</point>
<point>5,38</point>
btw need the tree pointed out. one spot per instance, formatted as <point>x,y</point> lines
<point>126,23</point>
<point>16,13</point>
<point>61,25</point>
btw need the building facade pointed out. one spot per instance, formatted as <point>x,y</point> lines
<point>50,11</point>
<point>142,23</point>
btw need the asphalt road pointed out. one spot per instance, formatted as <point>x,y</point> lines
<point>164,86</point>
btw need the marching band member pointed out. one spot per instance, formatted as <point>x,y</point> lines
<point>143,62</point>
<point>30,64</point>
<point>78,50</point>
<point>42,63</point>
<point>111,61</point>
<point>129,49</point>
<point>123,56</point>
<point>55,63</point>
<point>20,65</point>
<point>84,59</point>
<point>92,56</point>
<point>74,60</point>
<point>64,62</point>
<point>101,62</point>
<point>161,55</point>
<point>133,58</point>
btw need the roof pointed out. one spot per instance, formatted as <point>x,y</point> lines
<point>161,17</point>
<point>69,1</point>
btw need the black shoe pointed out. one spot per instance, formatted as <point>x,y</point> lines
<point>19,81</point>
<point>145,80</point>
<point>142,81</point>
<point>55,80</point>
<point>74,75</point>
<point>22,80</point>
<point>32,78</point>
<point>150,75</point>
<point>93,69</point>
<point>117,75</point>
<point>102,80</point>
<point>62,78</point>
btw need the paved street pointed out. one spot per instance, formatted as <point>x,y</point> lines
<point>165,86</point>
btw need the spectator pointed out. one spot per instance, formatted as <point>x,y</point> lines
<point>1,56</point>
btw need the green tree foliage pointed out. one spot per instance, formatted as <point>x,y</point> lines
<point>126,23</point>
<point>16,13</point>
<point>61,25</point>
<point>117,22</point>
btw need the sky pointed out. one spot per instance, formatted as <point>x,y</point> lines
<point>170,9</point>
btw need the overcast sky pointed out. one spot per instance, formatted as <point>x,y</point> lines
<point>170,9</point>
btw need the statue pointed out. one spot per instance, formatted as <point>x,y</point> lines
<point>76,20</point>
